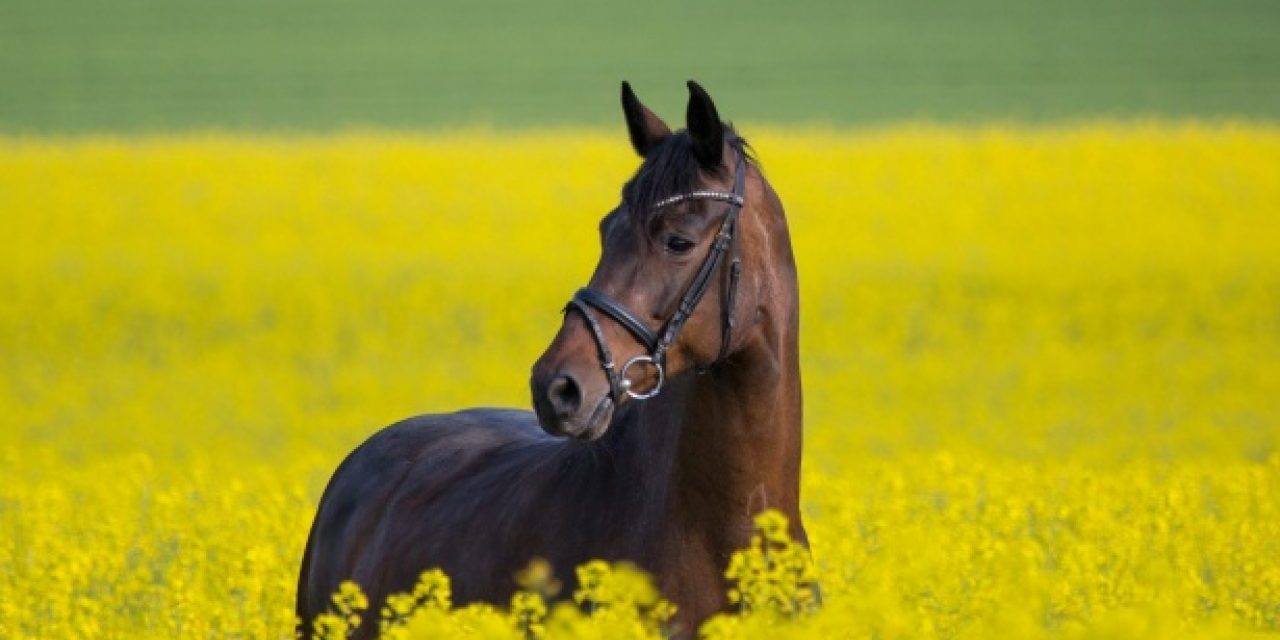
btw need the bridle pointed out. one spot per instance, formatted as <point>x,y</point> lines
<point>657,345</point>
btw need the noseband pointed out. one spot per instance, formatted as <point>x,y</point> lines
<point>657,345</point>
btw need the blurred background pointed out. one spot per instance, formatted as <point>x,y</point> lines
<point>135,65</point>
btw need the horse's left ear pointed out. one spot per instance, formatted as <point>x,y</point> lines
<point>705,128</point>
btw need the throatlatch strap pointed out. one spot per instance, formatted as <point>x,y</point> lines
<point>735,266</point>
<point>726,333</point>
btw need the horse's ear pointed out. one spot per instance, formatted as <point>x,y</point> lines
<point>646,129</point>
<point>705,128</point>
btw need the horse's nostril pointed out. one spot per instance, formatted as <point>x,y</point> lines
<point>565,396</point>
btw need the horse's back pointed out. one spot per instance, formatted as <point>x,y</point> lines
<point>400,470</point>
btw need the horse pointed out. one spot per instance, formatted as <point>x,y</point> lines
<point>664,419</point>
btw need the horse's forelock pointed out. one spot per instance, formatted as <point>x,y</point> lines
<point>669,169</point>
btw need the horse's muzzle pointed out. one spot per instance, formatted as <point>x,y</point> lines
<point>565,407</point>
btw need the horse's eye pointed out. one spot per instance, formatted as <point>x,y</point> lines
<point>678,245</point>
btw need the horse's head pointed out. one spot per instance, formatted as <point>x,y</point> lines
<point>685,266</point>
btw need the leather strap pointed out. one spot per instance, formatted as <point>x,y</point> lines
<point>606,358</point>
<point>618,312</point>
<point>727,320</point>
<point>729,302</point>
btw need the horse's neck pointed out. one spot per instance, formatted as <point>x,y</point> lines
<point>715,449</point>
<point>740,444</point>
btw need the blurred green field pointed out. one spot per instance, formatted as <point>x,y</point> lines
<point>302,65</point>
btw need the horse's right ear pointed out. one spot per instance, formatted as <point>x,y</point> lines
<point>646,129</point>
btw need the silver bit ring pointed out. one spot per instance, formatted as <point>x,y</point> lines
<point>626,382</point>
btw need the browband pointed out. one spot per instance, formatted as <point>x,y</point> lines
<point>731,198</point>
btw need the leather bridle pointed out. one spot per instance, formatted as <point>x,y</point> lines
<point>657,344</point>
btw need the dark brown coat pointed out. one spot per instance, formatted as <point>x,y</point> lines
<point>669,483</point>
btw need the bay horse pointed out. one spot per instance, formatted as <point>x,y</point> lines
<point>664,418</point>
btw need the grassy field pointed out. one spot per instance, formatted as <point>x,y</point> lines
<point>1040,363</point>
<point>77,65</point>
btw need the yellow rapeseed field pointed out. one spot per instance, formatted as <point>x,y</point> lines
<point>1042,367</point>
